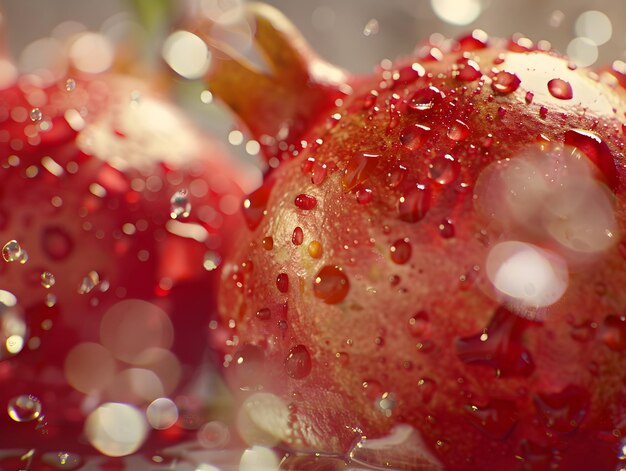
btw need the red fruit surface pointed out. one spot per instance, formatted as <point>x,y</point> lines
<point>463,305</point>
<point>111,190</point>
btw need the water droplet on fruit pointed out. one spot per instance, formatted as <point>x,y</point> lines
<point>529,97</point>
<point>613,332</point>
<point>408,74</point>
<point>12,252</point>
<point>426,389</point>
<point>496,419</point>
<point>400,251</point>
<point>414,136</point>
<point>444,169</point>
<point>414,204</point>
<point>298,362</point>
<point>180,207</point>
<point>57,243</point>
<point>468,71</point>
<point>90,281</point>
<point>563,411</point>
<point>596,150</point>
<point>560,89</point>
<point>24,408</point>
<point>47,279</point>
<point>211,261</point>
<point>474,41</point>
<point>396,176</point>
<point>360,167</point>
<point>305,202</point>
<point>35,115</point>
<point>331,285</point>
<point>386,403</point>
<point>268,243</point>
<point>254,206</point>
<point>297,237</point>
<point>315,249</point>
<point>51,299</point>
<point>446,229</point>
<point>426,98</point>
<point>500,345</point>
<point>364,195</point>
<point>282,282</point>
<point>419,324</point>
<point>70,85</point>
<point>458,131</point>
<point>318,175</point>
<point>505,82</point>
<point>584,331</point>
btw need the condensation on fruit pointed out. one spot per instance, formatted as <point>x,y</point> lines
<point>24,408</point>
<point>180,207</point>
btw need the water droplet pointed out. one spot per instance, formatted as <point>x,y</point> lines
<point>12,252</point>
<point>560,89</point>
<point>24,408</point>
<point>268,243</point>
<point>426,389</point>
<point>364,195</point>
<point>249,364</point>
<point>51,299</point>
<point>282,282</point>
<point>254,206</point>
<point>543,111</point>
<point>359,169</point>
<point>264,314</point>
<point>468,71</point>
<point>584,331</point>
<point>61,459</point>
<point>400,251</point>
<point>458,131</point>
<point>414,136</point>
<point>297,237</point>
<point>444,169</point>
<point>563,411</point>
<point>408,74</point>
<point>47,279</point>
<point>386,403</point>
<point>35,114</point>
<point>505,82</point>
<point>419,324</point>
<point>529,97</point>
<point>211,261</point>
<point>596,150</point>
<point>496,419</point>
<point>613,332</point>
<point>70,85</point>
<point>90,281</point>
<point>180,207</point>
<point>500,345</point>
<point>298,362</point>
<point>473,41</point>
<point>305,202</point>
<point>396,176</point>
<point>57,243</point>
<point>426,98</point>
<point>414,204</point>
<point>315,249</point>
<point>318,175</point>
<point>331,285</point>
<point>446,229</point>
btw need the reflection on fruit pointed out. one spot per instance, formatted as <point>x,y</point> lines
<point>433,276</point>
<point>115,212</point>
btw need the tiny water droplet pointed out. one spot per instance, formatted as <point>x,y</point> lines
<point>282,282</point>
<point>47,279</point>
<point>331,285</point>
<point>35,115</point>
<point>560,89</point>
<point>90,281</point>
<point>24,408</point>
<point>12,251</point>
<point>400,251</point>
<point>297,237</point>
<point>298,362</point>
<point>446,229</point>
<point>419,324</point>
<point>180,207</point>
<point>268,243</point>
<point>505,82</point>
<point>426,389</point>
<point>51,299</point>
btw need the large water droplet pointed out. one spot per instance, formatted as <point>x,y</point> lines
<point>359,169</point>
<point>505,82</point>
<point>414,204</point>
<point>563,411</point>
<point>90,281</point>
<point>12,252</point>
<point>400,251</point>
<point>298,362</point>
<point>305,202</point>
<point>444,169</point>
<point>458,131</point>
<point>414,136</point>
<point>560,89</point>
<point>180,207</point>
<point>331,285</point>
<point>468,71</point>
<point>24,408</point>
<point>596,150</point>
<point>426,98</point>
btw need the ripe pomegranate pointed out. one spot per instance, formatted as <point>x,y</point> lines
<point>114,213</point>
<point>433,276</point>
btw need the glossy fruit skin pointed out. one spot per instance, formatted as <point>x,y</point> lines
<point>389,312</point>
<point>92,194</point>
